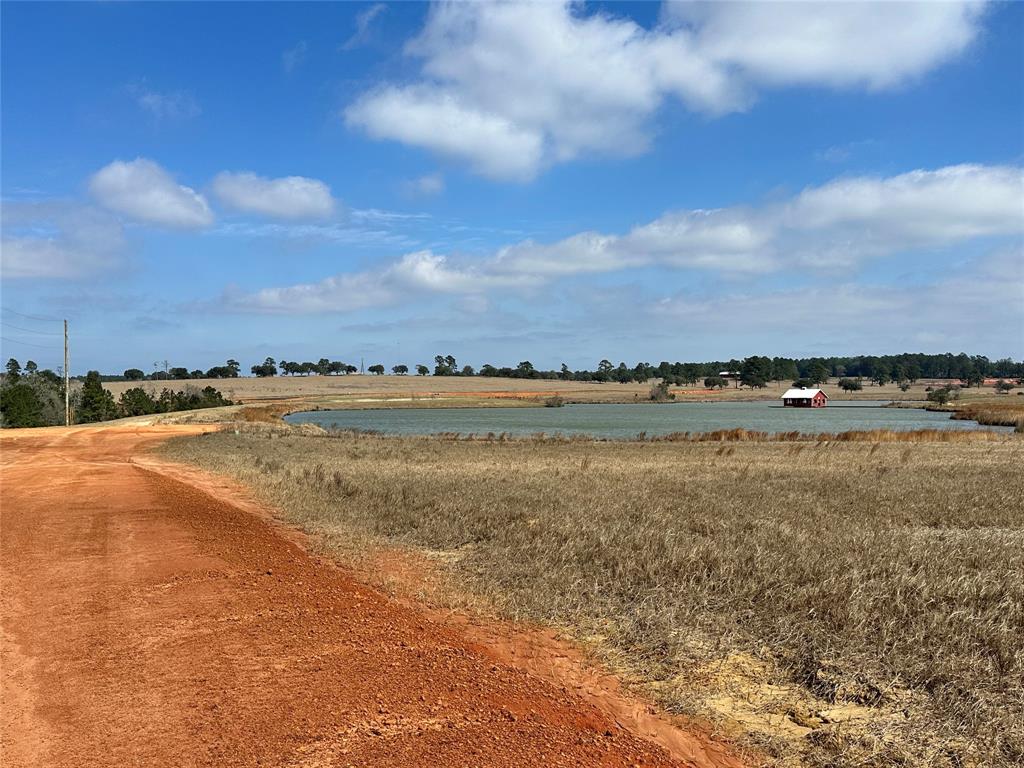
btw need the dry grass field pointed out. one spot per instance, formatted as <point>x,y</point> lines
<point>835,603</point>
<point>420,391</point>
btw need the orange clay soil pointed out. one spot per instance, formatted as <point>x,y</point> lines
<point>151,620</point>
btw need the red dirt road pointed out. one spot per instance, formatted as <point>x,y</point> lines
<point>147,622</point>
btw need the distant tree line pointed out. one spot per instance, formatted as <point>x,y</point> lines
<point>34,397</point>
<point>754,371</point>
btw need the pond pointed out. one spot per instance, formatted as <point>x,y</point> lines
<point>627,420</point>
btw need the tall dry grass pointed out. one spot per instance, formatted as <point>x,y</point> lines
<point>863,572</point>
<point>1005,412</point>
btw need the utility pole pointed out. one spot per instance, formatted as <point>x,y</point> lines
<point>67,388</point>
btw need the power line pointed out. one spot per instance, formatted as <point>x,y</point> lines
<point>25,343</point>
<point>29,330</point>
<point>31,317</point>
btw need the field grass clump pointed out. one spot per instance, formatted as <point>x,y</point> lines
<point>868,592</point>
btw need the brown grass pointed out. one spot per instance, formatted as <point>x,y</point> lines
<point>1007,411</point>
<point>348,391</point>
<point>843,600</point>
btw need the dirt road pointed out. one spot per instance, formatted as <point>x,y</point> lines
<point>147,622</point>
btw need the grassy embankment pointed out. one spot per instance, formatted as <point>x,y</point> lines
<point>855,602</point>
<point>1001,412</point>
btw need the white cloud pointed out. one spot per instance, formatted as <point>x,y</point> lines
<point>982,300</point>
<point>169,105</point>
<point>414,275</point>
<point>440,120</point>
<point>512,88</point>
<point>58,240</point>
<point>424,186</point>
<point>293,57</point>
<point>290,197</point>
<point>144,191</point>
<point>839,44</point>
<point>919,207</point>
<point>834,226</point>
<point>364,22</point>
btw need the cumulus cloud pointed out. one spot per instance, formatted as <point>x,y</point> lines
<point>290,197</point>
<point>841,44</point>
<point>415,274</point>
<point>837,225</point>
<point>512,88</point>
<point>144,191</point>
<point>58,240</point>
<point>445,122</point>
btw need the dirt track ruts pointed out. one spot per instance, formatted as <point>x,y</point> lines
<point>147,622</point>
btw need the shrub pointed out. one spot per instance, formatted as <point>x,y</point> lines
<point>660,393</point>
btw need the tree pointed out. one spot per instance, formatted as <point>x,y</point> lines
<point>20,406</point>
<point>817,372</point>
<point>975,378</point>
<point>323,367</point>
<point>716,381</point>
<point>850,385</point>
<point>467,370</point>
<point>445,366</point>
<point>96,403</point>
<point>267,368</point>
<point>137,402</point>
<point>13,369</point>
<point>134,374</point>
<point>422,370</point>
<point>235,367</point>
<point>351,369</point>
<point>399,370</point>
<point>31,367</point>
<point>940,396</point>
<point>1003,386</point>
<point>756,371</point>
<point>377,369</point>
<point>525,370</point>
<point>337,367</point>
<point>179,373</point>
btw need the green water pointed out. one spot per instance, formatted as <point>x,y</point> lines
<point>624,421</point>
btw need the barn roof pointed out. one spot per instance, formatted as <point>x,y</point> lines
<point>802,392</point>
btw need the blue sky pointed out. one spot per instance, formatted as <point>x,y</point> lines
<point>193,182</point>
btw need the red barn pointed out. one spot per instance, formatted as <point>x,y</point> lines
<point>805,398</point>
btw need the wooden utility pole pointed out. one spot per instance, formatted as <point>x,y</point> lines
<point>67,388</point>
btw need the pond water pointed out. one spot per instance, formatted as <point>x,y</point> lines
<point>627,420</point>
